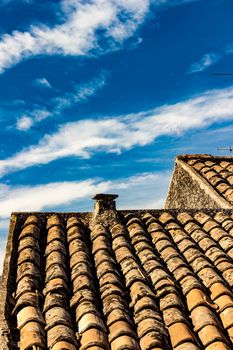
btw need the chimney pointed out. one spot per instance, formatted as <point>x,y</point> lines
<point>104,202</point>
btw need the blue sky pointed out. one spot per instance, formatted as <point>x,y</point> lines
<point>101,95</point>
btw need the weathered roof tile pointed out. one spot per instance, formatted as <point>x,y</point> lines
<point>158,280</point>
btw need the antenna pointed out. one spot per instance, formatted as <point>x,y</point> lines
<point>230,149</point>
<point>222,73</point>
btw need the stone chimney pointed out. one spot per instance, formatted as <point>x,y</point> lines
<point>104,202</point>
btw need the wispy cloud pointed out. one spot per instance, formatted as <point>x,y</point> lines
<point>82,93</point>
<point>210,59</point>
<point>79,34</point>
<point>85,28</point>
<point>146,190</point>
<point>206,61</point>
<point>22,198</point>
<point>52,195</point>
<point>24,123</point>
<point>58,104</point>
<point>117,134</point>
<point>43,82</point>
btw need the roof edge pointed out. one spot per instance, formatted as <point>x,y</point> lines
<point>201,155</point>
<point>6,282</point>
<point>204,184</point>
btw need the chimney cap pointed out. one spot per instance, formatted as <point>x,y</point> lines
<point>105,197</point>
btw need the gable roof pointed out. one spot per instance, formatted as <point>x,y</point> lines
<point>210,177</point>
<point>119,279</point>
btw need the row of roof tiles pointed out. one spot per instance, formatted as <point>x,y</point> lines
<point>146,283</point>
<point>218,173</point>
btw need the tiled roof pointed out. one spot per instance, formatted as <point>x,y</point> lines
<point>217,171</point>
<point>119,280</point>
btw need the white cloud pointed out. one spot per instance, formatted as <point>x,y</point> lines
<point>22,198</point>
<point>40,114</point>
<point>80,95</point>
<point>116,134</point>
<point>83,27</point>
<point>206,61</point>
<point>147,190</point>
<point>210,59</point>
<point>24,123</point>
<point>142,191</point>
<point>79,34</point>
<point>43,82</point>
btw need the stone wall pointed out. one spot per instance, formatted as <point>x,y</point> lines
<point>8,340</point>
<point>189,190</point>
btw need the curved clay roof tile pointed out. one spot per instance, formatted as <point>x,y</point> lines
<point>119,328</point>
<point>55,257</point>
<point>55,271</point>
<point>81,268</point>
<point>28,269</point>
<point>180,334</point>
<point>26,299</point>
<point>93,338</point>
<point>80,256</point>
<point>81,296</point>
<point>82,282</point>
<point>181,272</point>
<point>75,232</point>
<point>28,242</point>
<point>74,221</point>
<point>54,220</point>
<point>30,230</point>
<point>32,334</point>
<point>118,315</point>
<point>57,315</point>
<point>56,246</point>
<point>32,220</point>
<point>86,307</point>
<point>184,218</point>
<point>26,284</point>
<point>60,333</point>
<point>166,218</point>
<point>55,285</point>
<point>29,314</point>
<point>149,325</point>
<point>56,233</point>
<point>64,345</point>
<point>90,320</point>
<point>54,300</point>
<point>29,255</point>
<point>124,342</point>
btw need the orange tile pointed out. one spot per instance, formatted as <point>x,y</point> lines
<point>93,337</point>
<point>124,342</point>
<point>218,289</point>
<point>218,346</point>
<point>32,334</point>
<point>180,333</point>
<point>210,334</point>
<point>63,345</point>
<point>196,297</point>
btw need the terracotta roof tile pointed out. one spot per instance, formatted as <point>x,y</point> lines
<point>216,171</point>
<point>141,281</point>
